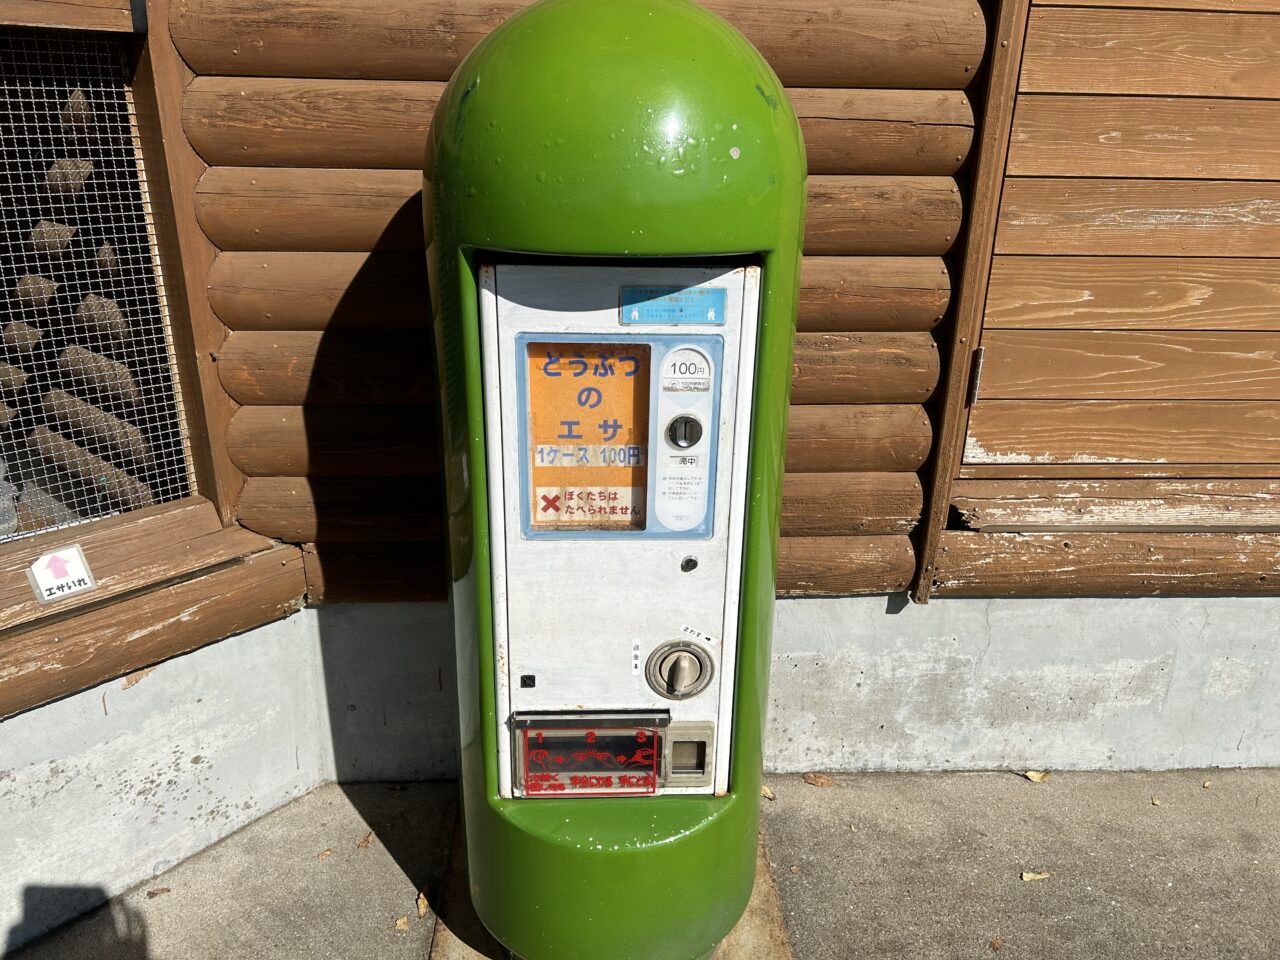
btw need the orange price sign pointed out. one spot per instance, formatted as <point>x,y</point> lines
<point>588,435</point>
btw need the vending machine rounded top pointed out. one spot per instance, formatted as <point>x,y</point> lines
<point>616,128</point>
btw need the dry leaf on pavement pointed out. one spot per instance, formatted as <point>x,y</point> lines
<point>1037,776</point>
<point>157,892</point>
<point>766,792</point>
<point>818,780</point>
<point>368,839</point>
<point>402,923</point>
<point>996,944</point>
<point>1036,875</point>
<point>422,905</point>
<point>324,854</point>
<point>1155,801</point>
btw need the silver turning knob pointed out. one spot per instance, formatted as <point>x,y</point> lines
<point>679,670</point>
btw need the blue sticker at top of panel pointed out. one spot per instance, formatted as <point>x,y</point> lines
<point>688,305</point>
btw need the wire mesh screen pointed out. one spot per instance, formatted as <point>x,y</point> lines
<point>89,412</point>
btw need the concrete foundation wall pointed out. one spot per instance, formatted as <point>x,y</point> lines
<point>869,683</point>
<point>105,789</point>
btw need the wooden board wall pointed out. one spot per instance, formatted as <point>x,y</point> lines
<point>312,118</point>
<point>1131,334</point>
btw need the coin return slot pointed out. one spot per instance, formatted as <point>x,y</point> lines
<point>689,757</point>
<point>688,754</point>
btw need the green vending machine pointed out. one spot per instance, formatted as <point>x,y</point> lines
<point>615,195</point>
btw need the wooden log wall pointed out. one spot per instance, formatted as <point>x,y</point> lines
<point>312,117</point>
<point>1129,399</point>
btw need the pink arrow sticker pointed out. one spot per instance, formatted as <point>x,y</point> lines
<point>60,574</point>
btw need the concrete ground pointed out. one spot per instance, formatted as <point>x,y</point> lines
<point>327,876</point>
<point>1150,866</point>
<point>1141,865</point>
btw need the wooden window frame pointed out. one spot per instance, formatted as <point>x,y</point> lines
<point>113,16</point>
<point>170,578</point>
<point>179,575</point>
<point>1008,34</point>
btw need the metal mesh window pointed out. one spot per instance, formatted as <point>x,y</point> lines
<point>90,417</point>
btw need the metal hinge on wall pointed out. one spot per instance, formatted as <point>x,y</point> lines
<point>975,378</point>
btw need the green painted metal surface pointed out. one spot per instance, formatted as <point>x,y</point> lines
<point>610,129</point>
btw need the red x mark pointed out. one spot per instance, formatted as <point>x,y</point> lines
<point>550,503</point>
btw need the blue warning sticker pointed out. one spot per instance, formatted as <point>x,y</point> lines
<point>692,305</point>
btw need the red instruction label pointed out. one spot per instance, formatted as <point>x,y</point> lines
<point>609,762</point>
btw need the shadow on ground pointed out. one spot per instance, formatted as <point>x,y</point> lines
<point>117,931</point>
<point>434,861</point>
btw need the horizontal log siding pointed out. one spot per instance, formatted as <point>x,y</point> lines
<point>320,291</point>
<point>351,210</point>
<point>382,124</point>
<point>845,294</point>
<point>364,508</point>
<point>342,509</point>
<point>383,291</point>
<point>864,368</point>
<point>843,438</point>
<point>910,44</point>
<point>849,504</point>
<point>356,572</point>
<point>835,566</point>
<point>1130,392</point>
<point>334,441</point>
<point>287,367</point>
<point>326,441</point>
<point>313,121</point>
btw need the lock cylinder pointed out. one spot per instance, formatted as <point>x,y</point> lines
<point>679,670</point>
<point>684,432</point>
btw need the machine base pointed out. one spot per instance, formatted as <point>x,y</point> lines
<point>627,879</point>
<point>508,955</point>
